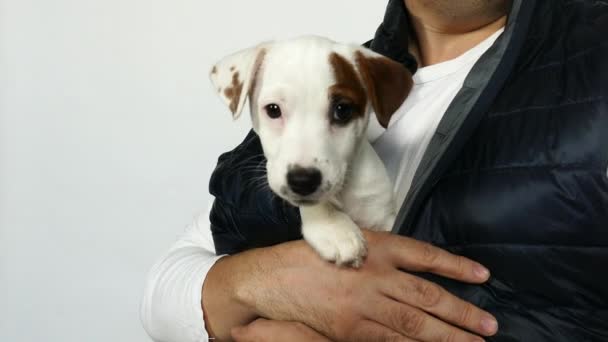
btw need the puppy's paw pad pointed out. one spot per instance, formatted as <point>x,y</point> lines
<point>326,249</point>
<point>347,249</point>
<point>356,263</point>
<point>353,253</point>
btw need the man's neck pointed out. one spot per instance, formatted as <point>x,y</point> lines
<point>439,37</point>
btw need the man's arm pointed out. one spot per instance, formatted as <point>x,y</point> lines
<point>290,282</point>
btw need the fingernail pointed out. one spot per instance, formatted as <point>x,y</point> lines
<point>478,339</point>
<point>481,272</point>
<point>489,325</point>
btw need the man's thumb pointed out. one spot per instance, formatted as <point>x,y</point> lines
<point>239,334</point>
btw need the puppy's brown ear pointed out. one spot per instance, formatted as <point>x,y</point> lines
<point>234,75</point>
<point>388,83</point>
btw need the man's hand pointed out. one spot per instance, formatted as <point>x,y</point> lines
<point>263,330</point>
<point>377,302</point>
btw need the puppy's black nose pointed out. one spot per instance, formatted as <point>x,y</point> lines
<point>304,181</point>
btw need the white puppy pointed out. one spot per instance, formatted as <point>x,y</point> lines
<point>311,101</point>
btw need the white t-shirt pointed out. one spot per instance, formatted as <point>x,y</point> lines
<point>171,305</point>
<point>411,128</point>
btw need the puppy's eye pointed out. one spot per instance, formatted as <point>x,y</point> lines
<point>343,113</point>
<point>273,111</point>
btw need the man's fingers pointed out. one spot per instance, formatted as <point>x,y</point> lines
<point>417,324</point>
<point>433,299</point>
<point>254,331</point>
<point>370,331</point>
<point>242,334</point>
<point>413,255</point>
<point>263,330</point>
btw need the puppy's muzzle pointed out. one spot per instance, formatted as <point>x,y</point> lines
<point>304,181</point>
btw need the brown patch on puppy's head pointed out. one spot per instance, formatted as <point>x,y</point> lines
<point>348,87</point>
<point>387,82</point>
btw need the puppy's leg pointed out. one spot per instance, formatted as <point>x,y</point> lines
<point>333,234</point>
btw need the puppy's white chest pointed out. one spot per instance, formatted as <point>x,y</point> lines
<point>367,196</point>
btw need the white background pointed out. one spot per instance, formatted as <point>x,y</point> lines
<point>109,130</point>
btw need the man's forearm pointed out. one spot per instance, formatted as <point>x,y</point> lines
<point>231,286</point>
<point>222,307</point>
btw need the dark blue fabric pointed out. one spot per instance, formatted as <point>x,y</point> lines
<point>523,190</point>
<point>246,213</point>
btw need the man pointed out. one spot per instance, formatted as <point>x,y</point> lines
<point>506,165</point>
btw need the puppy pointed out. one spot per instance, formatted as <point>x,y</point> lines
<point>311,100</point>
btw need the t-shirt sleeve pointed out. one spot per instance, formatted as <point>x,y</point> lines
<point>171,305</point>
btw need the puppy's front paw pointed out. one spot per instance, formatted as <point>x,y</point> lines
<point>342,246</point>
